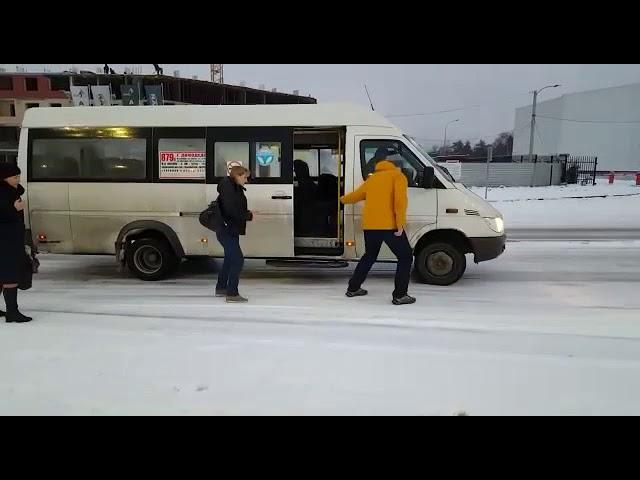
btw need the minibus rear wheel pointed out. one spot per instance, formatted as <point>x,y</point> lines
<point>151,259</point>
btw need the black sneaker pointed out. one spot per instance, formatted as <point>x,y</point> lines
<point>17,317</point>
<point>236,299</point>
<point>406,300</point>
<point>2,314</point>
<point>358,293</point>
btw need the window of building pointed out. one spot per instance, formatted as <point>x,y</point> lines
<point>31,105</point>
<point>7,109</point>
<point>60,83</point>
<point>6,83</point>
<point>32,84</point>
<point>56,105</point>
<point>9,134</point>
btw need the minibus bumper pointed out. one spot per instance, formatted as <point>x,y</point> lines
<point>488,248</point>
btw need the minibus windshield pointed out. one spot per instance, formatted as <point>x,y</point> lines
<point>431,161</point>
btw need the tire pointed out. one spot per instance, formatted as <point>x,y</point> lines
<point>440,264</point>
<point>151,259</point>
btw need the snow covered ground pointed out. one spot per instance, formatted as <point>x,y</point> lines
<point>591,213</point>
<point>555,192</point>
<point>554,207</point>
<point>549,328</point>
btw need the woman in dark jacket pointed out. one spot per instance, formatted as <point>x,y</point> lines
<point>13,265</point>
<point>233,206</point>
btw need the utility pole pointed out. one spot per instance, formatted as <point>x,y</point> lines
<point>444,145</point>
<point>533,126</point>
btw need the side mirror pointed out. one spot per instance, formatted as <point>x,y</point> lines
<point>428,177</point>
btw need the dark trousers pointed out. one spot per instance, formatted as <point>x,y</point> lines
<point>400,247</point>
<point>229,276</point>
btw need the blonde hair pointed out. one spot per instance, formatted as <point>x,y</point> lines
<point>238,171</point>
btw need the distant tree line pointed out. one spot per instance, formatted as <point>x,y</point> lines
<point>502,145</point>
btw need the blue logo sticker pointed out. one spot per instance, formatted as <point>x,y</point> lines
<point>265,157</point>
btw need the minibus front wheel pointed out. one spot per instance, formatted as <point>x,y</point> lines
<point>440,263</point>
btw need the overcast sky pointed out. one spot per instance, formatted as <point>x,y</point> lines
<point>487,94</point>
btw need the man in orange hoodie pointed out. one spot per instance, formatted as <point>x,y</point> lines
<point>384,220</point>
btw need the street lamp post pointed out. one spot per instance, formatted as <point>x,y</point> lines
<point>533,126</point>
<point>444,145</point>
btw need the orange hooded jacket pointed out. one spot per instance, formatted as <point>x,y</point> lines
<point>385,196</point>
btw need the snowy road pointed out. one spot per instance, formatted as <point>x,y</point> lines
<point>573,234</point>
<point>549,328</point>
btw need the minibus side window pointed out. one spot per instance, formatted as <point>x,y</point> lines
<point>229,154</point>
<point>267,152</point>
<point>179,155</point>
<point>182,159</point>
<point>89,159</point>
<point>310,157</point>
<point>329,161</point>
<point>268,160</point>
<point>90,155</point>
<point>395,152</point>
<point>321,161</point>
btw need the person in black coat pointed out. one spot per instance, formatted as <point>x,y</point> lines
<point>235,214</point>
<point>13,265</point>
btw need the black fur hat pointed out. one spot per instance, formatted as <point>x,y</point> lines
<point>8,170</point>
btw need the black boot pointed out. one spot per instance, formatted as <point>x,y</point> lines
<point>2,313</point>
<point>11,299</point>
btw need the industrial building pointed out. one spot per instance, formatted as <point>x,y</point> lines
<point>604,123</point>
<point>20,91</point>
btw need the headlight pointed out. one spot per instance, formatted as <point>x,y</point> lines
<point>495,224</point>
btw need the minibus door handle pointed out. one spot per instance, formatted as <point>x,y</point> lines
<point>281,196</point>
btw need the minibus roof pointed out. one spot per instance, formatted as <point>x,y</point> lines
<point>316,115</point>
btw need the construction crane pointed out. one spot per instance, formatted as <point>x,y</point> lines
<point>217,73</point>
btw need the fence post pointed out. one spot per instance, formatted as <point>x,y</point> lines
<point>551,174</point>
<point>595,169</point>
<point>489,158</point>
<point>533,174</point>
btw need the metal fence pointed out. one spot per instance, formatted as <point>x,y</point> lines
<point>510,174</point>
<point>580,170</point>
<point>502,158</point>
<point>518,170</point>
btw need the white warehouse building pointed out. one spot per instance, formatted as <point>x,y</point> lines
<point>604,123</point>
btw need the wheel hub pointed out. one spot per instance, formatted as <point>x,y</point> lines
<point>440,264</point>
<point>148,259</point>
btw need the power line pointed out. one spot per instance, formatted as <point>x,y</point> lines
<point>481,137</point>
<point>621,122</point>
<point>459,109</point>
<point>397,115</point>
<point>526,124</point>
